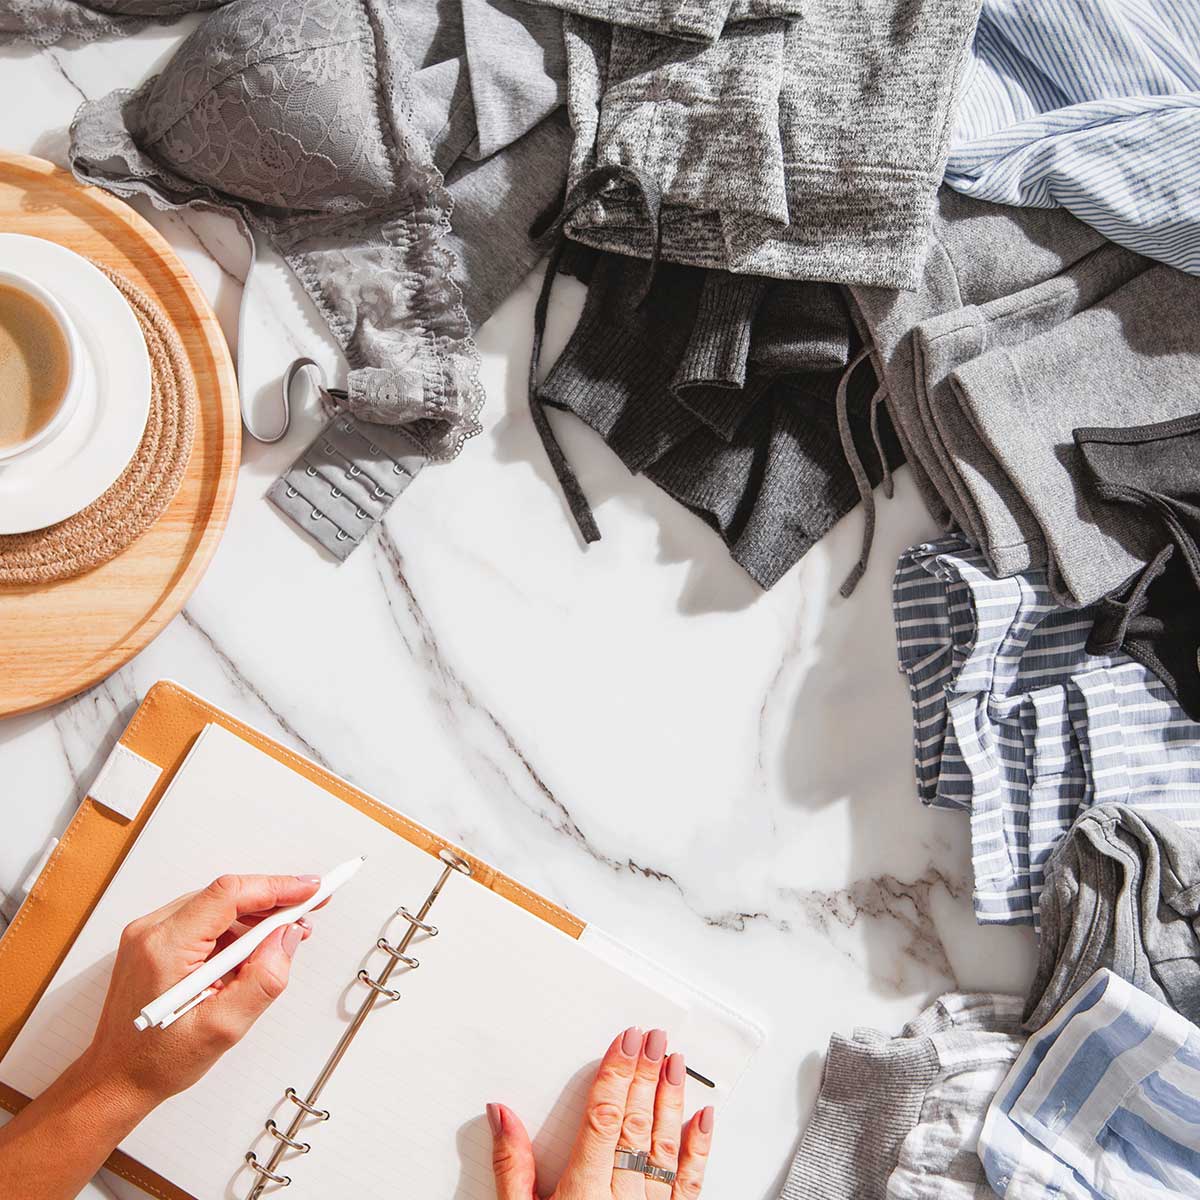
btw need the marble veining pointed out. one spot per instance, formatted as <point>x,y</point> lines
<point>720,777</point>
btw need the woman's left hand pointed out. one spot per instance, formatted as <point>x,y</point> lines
<point>636,1104</point>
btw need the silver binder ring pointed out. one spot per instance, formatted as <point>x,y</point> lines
<point>431,930</point>
<point>266,1172</point>
<point>398,955</point>
<point>383,990</point>
<point>321,1114</point>
<point>456,861</point>
<point>280,1136</point>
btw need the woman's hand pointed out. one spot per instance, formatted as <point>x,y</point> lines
<point>159,950</point>
<point>60,1139</point>
<point>636,1103</point>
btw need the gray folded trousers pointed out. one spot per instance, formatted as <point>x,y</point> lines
<point>1027,326</point>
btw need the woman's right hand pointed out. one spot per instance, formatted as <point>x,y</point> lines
<point>159,950</point>
<point>636,1103</point>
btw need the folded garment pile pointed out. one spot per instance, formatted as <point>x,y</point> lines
<point>901,1117</point>
<point>753,191</point>
<point>1017,723</point>
<point>993,364</point>
<point>1100,1102</point>
<point>836,129</point>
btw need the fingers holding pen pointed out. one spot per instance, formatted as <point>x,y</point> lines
<point>229,898</point>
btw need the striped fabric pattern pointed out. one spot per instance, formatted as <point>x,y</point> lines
<point>939,1159</point>
<point>1015,723</point>
<point>1091,105</point>
<point>964,636</point>
<point>899,1118</point>
<point>1104,1101</point>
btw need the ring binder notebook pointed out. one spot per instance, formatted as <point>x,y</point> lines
<point>516,995</point>
<point>307,1108</point>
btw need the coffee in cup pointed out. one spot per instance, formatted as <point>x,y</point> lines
<point>37,365</point>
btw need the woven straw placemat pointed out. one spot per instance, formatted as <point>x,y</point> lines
<point>146,486</point>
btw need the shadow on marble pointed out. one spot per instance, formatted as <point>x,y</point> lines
<point>808,1079</point>
<point>909,867</point>
<point>52,146</point>
<point>714,583</point>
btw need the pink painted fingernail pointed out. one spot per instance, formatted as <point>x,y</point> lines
<point>309,878</point>
<point>495,1119</point>
<point>656,1044</point>
<point>631,1043</point>
<point>305,923</point>
<point>292,936</point>
<point>675,1070</point>
<point>706,1120</point>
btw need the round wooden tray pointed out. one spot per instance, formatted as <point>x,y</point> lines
<point>57,639</point>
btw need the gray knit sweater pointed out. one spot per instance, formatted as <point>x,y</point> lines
<point>806,149</point>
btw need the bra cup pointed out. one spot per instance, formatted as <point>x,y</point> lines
<point>273,104</point>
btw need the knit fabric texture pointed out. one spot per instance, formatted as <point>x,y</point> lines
<point>1122,892</point>
<point>803,149</point>
<point>1027,326</point>
<point>698,20</point>
<point>977,253</point>
<point>900,1117</point>
<point>721,389</point>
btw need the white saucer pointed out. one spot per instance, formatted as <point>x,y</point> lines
<point>65,474</point>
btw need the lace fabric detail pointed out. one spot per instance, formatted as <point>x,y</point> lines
<point>298,120</point>
<point>46,22</point>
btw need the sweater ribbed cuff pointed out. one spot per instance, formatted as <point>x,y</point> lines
<point>871,1098</point>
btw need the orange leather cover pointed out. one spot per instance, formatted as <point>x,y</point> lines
<point>162,730</point>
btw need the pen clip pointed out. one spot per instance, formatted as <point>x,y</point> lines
<point>171,1018</point>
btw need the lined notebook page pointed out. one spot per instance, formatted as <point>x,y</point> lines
<point>503,1006</point>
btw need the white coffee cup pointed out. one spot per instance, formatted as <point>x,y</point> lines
<point>69,403</point>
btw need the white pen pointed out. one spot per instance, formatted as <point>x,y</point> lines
<point>198,986</point>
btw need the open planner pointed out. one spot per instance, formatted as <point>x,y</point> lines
<point>473,988</point>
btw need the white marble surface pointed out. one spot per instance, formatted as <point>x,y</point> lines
<point>720,777</point>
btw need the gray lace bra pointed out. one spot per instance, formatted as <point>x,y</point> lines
<point>296,118</point>
<point>344,131</point>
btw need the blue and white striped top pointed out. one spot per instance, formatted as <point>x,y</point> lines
<point>1014,722</point>
<point>1091,105</point>
<point>1103,1102</point>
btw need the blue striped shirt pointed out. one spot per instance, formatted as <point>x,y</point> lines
<point>1014,722</point>
<point>1103,1102</point>
<point>1091,105</point>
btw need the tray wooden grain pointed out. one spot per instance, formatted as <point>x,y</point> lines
<point>57,639</point>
